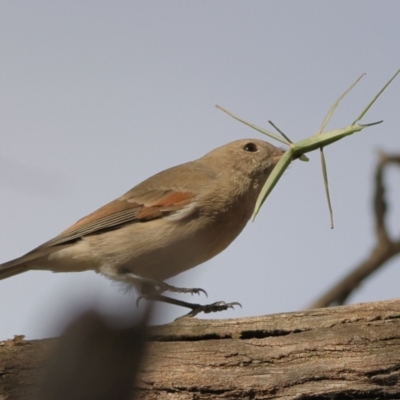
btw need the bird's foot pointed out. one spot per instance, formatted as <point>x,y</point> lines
<point>166,287</point>
<point>210,308</point>
<point>149,285</point>
<point>195,308</point>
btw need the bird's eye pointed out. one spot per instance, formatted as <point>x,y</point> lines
<point>251,147</point>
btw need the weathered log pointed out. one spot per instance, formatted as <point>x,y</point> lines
<point>336,353</point>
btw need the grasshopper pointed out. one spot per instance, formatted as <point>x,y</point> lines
<point>318,141</point>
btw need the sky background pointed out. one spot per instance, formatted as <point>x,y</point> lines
<point>98,95</point>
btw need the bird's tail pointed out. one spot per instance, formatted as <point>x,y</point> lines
<point>11,268</point>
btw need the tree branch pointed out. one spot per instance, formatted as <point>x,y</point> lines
<point>336,353</point>
<point>385,247</point>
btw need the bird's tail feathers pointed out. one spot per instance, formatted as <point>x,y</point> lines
<point>11,268</point>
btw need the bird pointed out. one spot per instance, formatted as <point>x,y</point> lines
<point>169,223</point>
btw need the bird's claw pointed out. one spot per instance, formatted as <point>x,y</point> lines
<point>174,289</point>
<point>209,308</point>
<point>160,287</point>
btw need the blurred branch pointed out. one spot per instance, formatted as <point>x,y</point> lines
<point>95,359</point>
<point>386,247</point>
<point>336,353</point>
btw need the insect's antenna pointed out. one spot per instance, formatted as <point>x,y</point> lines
<point>303,157</point>
<point>271,123</point>
<point>256,127</point>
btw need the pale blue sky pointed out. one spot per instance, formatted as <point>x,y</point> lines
<point>99,95</point>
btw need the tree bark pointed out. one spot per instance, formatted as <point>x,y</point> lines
<point>336,353</point>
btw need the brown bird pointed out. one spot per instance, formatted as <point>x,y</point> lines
<point>171,222</point>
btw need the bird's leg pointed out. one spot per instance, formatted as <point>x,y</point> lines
<point>152,286</point>
<point>151,289</point>
<point>196,308</point>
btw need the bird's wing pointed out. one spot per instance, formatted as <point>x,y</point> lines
<point>127,209</point>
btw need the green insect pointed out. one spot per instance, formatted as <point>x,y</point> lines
<point>319,141</point>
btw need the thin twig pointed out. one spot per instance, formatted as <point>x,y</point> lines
<point>386,246</point>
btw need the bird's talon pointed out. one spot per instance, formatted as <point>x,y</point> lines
<point>169,288</point>
<point>210,308</point>
<point>235,303</point>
